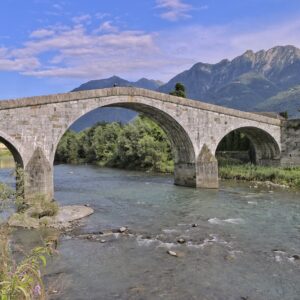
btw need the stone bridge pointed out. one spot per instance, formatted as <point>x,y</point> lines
<point>32,128</point>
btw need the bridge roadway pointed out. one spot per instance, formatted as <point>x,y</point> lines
<point>32,128</point>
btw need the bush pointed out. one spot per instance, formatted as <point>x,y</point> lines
<point>21,280</point>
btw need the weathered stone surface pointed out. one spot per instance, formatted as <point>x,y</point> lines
<point>32,128</point>
<point>290,141</point>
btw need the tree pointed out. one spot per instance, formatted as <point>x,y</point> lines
<point>179,90</point>
<point>284,114</point>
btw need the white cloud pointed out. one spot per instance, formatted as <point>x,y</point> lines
<point>82,19</point>
<point>107,27</point>
<point>57,6</point>
<point>41,33</point>
<point>20,65</point>
<point>76,52</point>
<point>174,9</point>
<point>102,16</point>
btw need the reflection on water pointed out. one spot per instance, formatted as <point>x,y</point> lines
<point>243,244</point>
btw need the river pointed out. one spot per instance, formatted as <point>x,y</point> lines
<point>244,244</point>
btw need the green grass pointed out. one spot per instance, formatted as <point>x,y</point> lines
<point>4,153</point>
<point>278,175</point>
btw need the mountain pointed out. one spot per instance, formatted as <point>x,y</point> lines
<point>254,81</point>
<point>251,82</point>
<point>117,81</point>
<point>108,114</point>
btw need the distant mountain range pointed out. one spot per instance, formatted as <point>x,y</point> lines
<point>262,81</point>
<point>108,114</point>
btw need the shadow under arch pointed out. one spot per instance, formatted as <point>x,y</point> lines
<point>181,144</point>
<point>267,151</point>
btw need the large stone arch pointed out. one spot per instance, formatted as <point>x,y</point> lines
<point>267,150</point>
<point>182,145</point>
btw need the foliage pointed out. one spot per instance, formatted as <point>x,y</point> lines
<point>234,141</point>
<point>141,144</point>
<point>179,90</point>
<point>6,194</point>
<point>21,280</point>
<point>249,172</point>
<point>5,153</point>
<point>284,114</point>
<point>40,207</point>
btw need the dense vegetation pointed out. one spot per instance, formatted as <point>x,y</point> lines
<point>248,172</point>
<point>234,141</point>
<point>138,145</point>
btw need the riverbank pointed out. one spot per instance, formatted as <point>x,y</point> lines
<point>278,175</point>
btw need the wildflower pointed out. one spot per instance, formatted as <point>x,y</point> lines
<point>37,291</point>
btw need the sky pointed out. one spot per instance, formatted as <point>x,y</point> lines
<point>52,46</point>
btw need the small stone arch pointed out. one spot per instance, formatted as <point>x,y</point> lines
<point>13,148</point>
<point>267,150</point>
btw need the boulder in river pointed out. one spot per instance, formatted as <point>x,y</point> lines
<point>65,218</point>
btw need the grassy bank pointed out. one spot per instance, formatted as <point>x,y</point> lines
<point>248,172</point>
<point>4,153</point>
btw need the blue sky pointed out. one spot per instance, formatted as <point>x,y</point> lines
<point>53,46</point>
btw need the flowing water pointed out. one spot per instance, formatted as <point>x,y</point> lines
<point>245,243</point>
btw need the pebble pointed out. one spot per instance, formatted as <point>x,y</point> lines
<point>87,205</point>
<point>172,253</point>
<point>194,225</point>
<point>296,257</point>
<point>102,241</point>
<point>181,241</point>
<point>122,229</point>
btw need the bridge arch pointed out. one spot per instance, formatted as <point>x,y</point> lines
<point>181,143</point>
<point>267,150</point>
<point>14,149</point>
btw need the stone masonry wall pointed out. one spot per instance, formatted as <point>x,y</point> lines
<point>290,143</point>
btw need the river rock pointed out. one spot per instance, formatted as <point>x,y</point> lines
<point>195,225</point>
<point>63,219</point>
<point>122,229</point>
<point>181,241</point>
<point>296,257</point>
<point>172,253</point>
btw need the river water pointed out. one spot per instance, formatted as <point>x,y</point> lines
<point>244,246</point>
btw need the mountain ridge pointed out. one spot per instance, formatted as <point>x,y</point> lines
<point>108,114</point>
<point>266,80</point>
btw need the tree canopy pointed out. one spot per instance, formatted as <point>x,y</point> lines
<point>141,144</point>
<point>179,90</point>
